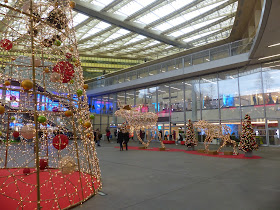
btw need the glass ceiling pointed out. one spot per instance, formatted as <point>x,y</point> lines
<point>189,23</point>
<point>148,29</point>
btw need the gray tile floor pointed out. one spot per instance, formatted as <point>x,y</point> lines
<point>147,180</point>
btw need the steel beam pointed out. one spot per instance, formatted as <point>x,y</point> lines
<point>117,20</point>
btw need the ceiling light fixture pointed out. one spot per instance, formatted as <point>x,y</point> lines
<point>271,56</point>
<point>273,45</point>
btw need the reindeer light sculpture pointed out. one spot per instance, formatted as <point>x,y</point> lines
<point>215,131</point>
<point>137,120</point>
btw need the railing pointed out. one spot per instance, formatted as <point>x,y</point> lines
<point>216,53</point>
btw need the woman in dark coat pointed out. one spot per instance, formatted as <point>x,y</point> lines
<point>120,139</point>
<point>126,138</point>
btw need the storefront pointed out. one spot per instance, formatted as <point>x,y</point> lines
<point>224,98</point>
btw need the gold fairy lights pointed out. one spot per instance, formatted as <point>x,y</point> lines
<point>137,120</point>
<point>54,97</point>
<point>215,131</point>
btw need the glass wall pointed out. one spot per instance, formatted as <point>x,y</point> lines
<point>224,97</point>
<point>130,96</point>
<point>209,97</point>
<point>229,95</point>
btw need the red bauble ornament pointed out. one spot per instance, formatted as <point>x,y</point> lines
<point>60,141</point>
<point>66,70</point>
<point>6,44</point>
<point>43,164</point>
<point>16,134</point>
<point>26,171</point>
<point>68,55</point>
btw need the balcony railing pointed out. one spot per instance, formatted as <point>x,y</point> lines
<point>216,53</point>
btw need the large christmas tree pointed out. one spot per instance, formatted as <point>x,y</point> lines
<point>43,104</point>
<point>247,139</point>
<point>190,135</point>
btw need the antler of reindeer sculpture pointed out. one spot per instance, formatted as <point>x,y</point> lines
<point>215,131</point>
<point>137,120</point>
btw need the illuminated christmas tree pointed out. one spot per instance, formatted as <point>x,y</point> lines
<point>190,135</point>
<point>44,106</point>
<point>247,139</point>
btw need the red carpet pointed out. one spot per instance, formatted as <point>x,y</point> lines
<point>58,191</point>
<point>221,155</point>
<point>155,149</point>
<point>168,142</point>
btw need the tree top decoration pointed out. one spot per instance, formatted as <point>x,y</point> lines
<point>44,108</point>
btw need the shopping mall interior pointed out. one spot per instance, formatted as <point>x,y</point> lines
<point>179,60</point>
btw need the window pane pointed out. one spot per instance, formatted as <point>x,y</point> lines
<point>163,103</point>
<point>192,102</point>
<point>177,101</point>
<point>271,78</point>
<point>229,95</point>
<point>209,97</point>
<point>251,96</point>
<point>129,95</point>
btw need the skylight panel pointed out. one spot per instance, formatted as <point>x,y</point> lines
<point>180,3</point>
<point>206,9</point>
<point>152,43</point>
<point>146,19</point>
<point>164,26</point>
<point>163,11</point>
<point>103,3</point>
<point>200,25</point>
<point>187,30</point>
<point>191,15</point>
<point>117,34</point>
<point>144,3</point>
<point>135,39</point>
<point>176,21</point>
<point>79,18</point>
<point>129,8</point>
<point>177,33</point>
<point>198,36</point>
<point>99,27</point>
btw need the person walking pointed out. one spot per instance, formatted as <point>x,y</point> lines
<point>126,138</point>
<point>98,137</point>
<point>120,139</point>
<point>108,133</point>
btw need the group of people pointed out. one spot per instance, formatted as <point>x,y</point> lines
<point>123,138</point>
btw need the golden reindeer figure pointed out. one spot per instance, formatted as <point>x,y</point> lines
<point>137,120</point>
<point>215,131</point>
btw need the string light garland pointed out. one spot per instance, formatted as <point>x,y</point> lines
<point>136,120</point>
<point>215,131</point>
<point>42,98</point>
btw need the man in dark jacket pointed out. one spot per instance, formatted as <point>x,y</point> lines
<point>120,139</point>
<point>126,138</point>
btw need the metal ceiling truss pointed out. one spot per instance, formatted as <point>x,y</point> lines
<point>97,44</point>
<point>168,31</point>
<point>162,51</point>
<point>131,26</point>
<point>231,15</point>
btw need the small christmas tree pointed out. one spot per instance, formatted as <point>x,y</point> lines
<point>190,135</point>
<point>247,140</point>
